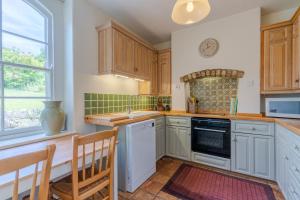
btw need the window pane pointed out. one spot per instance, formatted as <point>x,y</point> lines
<point>22,82</point>
<point>21,18</point>
<point>22,113</point>
<point>22,51</point>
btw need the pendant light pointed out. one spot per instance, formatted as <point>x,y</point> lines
<point>190,11</point>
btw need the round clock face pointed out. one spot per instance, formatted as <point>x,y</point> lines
<point>209,47</point>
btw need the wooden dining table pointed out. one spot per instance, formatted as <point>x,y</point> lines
<point>61,165</point>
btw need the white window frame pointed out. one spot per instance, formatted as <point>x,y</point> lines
<point>43,11</point>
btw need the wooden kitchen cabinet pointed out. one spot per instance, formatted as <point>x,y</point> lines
<point>296,54</point>
<point>121,52</point>
<point>277,65</point>
<point>141,61</point>
<point>150,87</point>
<point>280,57</point>
<point>164,72</point>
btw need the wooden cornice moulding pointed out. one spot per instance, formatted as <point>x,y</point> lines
<point>226,73</point>
<point>119,27</point>
<point>283,23</point>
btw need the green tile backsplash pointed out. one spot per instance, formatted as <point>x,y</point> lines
<point>111,103</point>
<point>214,93</point>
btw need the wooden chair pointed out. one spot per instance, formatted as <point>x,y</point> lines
<point>97,152</point>
<point>15,164</point>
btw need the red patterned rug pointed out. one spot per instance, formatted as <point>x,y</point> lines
<point>192,183</point>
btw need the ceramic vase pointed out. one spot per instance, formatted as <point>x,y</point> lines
<point>52,117</point>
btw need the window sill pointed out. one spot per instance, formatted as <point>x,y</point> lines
<point>15,142</point>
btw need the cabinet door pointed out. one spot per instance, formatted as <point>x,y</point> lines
<point>277,59</point>
<point>160,141</point>
<point>164,73</point>
<point>154,74</point>
<point>123,53</point>
<point>263,157</point>
<point>241,154</point>
<point>296,54</point>
<point>171,137</point>
<point>282,165</point>
<point>140,61</point>
<point>183,143</point>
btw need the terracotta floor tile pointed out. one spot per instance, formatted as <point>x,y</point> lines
<point>165,196</point>
<point>152,187</point>
<point>125,195</point>
<point>160,178</point>
<point>167,166</point>
<point>142,195</point>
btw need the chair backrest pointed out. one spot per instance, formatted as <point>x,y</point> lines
<point>15,164</point>
<point>97,152</point>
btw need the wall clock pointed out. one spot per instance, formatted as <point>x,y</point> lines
<point>209,47</point>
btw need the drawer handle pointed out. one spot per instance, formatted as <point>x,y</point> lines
<point>254,129</point>
<point>296,169</point>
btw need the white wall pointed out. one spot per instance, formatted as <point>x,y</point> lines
<point>57,10</point>
<point>239,38</point>
<point>278,16</point>
<point>163,45</point>
<point>86,18</point>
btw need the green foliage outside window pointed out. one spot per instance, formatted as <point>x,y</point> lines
<point>23,79</point>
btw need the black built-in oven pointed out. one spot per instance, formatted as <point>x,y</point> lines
<point>211,136</point>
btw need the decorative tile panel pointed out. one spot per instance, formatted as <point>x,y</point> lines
<point>214,93</point>
<point>112,103</point>
<point>224,73</point>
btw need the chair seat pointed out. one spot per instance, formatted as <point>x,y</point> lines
<point>64,189</point>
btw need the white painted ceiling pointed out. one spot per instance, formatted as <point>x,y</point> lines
<point>151,19</point>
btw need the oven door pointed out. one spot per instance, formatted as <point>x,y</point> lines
<point>211,141</point>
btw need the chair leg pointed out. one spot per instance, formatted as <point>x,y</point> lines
<point>111,192</point>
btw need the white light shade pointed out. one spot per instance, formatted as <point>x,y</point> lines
<point>190,11</point>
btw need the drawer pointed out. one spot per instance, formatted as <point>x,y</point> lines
<point>294,168</point>
<point>293,188</point>
<point>178,121</point>
<point>160,121</point>
<point>214,161</point>
<point>253,127</point>
<point>290,138</point>
<point>294,141</point>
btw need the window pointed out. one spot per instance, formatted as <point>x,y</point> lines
<point>25,64</point>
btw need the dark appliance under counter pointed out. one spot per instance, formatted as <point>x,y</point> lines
<point>210,141</point>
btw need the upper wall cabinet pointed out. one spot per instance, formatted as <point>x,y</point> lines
<point>123,53</point>
<point>164,72</point>
<point>277,59</point>
<point>280,57</point>
<point>160,75</point>
<point>296,54</point>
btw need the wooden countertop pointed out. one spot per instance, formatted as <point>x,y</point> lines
<point>291,124</point>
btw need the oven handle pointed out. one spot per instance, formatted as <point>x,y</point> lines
<point>206,129</point>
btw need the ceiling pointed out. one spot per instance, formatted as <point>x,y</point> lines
<point>151,19</point>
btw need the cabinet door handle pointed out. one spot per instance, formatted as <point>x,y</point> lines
<point>297,148</point>
<point>297,81</point>
<point>286,158</point>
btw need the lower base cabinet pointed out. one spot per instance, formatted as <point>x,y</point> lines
<point>253,149</point>
<point>160,131</point>
<point>288,162</point>
<point>253,155</point>
<point>178,138</point>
